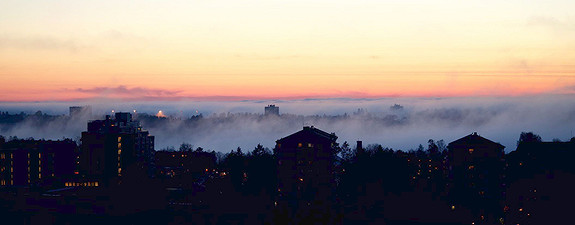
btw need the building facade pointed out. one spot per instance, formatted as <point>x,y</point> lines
<point>476,167</point>
<point>306,162</point>
<point>37,162</point>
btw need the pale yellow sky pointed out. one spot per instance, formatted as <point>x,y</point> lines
<point>64,50</point>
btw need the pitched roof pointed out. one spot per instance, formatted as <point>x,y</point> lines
<point>474,139</point>
<point>310,131</point>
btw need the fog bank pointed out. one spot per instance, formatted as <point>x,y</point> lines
<point>224,126</point>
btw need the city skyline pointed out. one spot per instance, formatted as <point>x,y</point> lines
<point>287,112</point>
<point>250,50</point>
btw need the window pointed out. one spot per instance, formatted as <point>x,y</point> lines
<point>299,145</point>
<point>471,151</point>
<point>309,145</point>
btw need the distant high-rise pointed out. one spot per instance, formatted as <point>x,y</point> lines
<point>77,111</point>
<point>110,147</point>
<point>272,110</point>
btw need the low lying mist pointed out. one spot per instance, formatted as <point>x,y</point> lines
<point>398,123</point>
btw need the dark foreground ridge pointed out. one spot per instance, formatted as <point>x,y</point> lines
<point>112,175</point>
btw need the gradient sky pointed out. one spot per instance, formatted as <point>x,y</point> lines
<point>276,49</point>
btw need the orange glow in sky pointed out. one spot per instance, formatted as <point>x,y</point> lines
<point>272,49</point>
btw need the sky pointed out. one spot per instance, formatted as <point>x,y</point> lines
<point>231,50</point>
<point>495,67</point>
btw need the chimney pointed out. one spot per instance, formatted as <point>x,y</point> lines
<point>359,146</point>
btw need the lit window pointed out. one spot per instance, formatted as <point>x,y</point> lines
<point>471,151</point>
<point>299,145</point>
<point>309,145</point>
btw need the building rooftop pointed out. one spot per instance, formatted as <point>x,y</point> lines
<point>310,131</point>
<point>474,139</point>
<point>121,123</point>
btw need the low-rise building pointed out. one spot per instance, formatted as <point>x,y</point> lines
<point>37,162</point>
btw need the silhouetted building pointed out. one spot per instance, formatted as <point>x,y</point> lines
<point>473,149</point>
<point>79,111</point>
<point>272,110</point>
<point>537,157</point>
<point>306,173</point>
<point>476,170</point>
<point>540,182</point>
<point>37,162</point>
<point>112,147</point>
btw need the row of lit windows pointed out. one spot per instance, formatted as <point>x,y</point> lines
<point>299,145</point>
<point>82,184</point>
<point>39,165</point>
<point>2,169</point>
<point>3,156</point>
<point>119,156</point>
